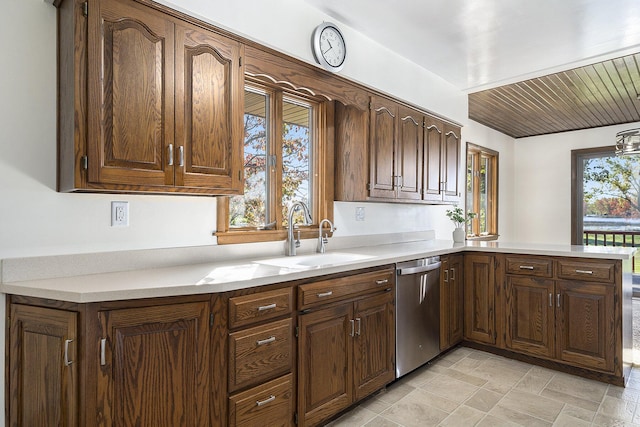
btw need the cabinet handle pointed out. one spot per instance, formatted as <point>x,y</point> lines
<point>67,362</point>
<point>453,273</point>
<point>526,267</point>
<point>382,282</point>
<point>325,294</point>
<point>353,327</point>
<point>267,400</point>
<point>267,307</point>
<point>181,155</point>
<point>584,271</point>
<point>266,340</point>
<point>170,154</point>
<point>446,276</point>
<point>550,299</point>
<point>359,326</point>
<point>103,344</point>
<point>558,300</point>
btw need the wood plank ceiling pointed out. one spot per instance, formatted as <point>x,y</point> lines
<point>601,94</point>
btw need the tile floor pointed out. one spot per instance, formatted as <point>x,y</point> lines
<point>472,388</point>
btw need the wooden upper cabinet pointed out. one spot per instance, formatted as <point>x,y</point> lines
<point>409,154</point>
<point>130,102</point>
<point>164,102</point>
<point>441,161</point>
<point>209,93</point>
<point>382,140</point>
<point>451,164</point>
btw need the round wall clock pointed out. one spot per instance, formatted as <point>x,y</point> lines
<point>329,47</point>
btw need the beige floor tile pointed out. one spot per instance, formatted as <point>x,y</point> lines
<point>468,378</point>
<point>414,411</point>
<point>375,404</point>
<point>463,416</point>
<point>617,408</point>
<point>441,403</point>
<point>531,404</point>
<point>499,387</point>
<point>565,420</point>
<point>419,376</point>
<point>455,355</point>
<point>624,393</point>
<point>519,418</point>
<point>395,392</point>
<point>354,418</point>
<point>450,388</point>
<point>577,386</point>
<point>491,421</point>
<point>602,420</point>
<point>484,400</point>
<point>381,422</point>
<point>533,382</point>
<point>579,402</point>
<point>579,413</point>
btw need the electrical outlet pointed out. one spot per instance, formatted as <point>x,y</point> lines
<point>360,213</point>
<point>119,214</point>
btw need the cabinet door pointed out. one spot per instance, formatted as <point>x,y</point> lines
<point>325,347</point>
<point>479,298</point>
<point>156,366</point>
<point>409,154</point>
<point>374,344</point>
<point>130,84</point>
<point>456,300</point>
<point>43,367</point>
<point>530,315</point>
<point>209,99</point>
<point>450,164</point>
<point>382,140</point>
<point>585,324</point>
<point>432,182</point>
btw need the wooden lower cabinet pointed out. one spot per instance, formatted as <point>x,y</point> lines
<point>451,301</point>
<point>479,298</point>
<point>269,404</point>
<point>43,367</point>
<point>155,366</point>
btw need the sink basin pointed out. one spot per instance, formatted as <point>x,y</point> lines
<point>313,261</point>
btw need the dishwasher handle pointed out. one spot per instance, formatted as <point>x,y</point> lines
<point>420,269</point>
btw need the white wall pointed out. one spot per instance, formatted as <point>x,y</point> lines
<point>542,196</point>
<point>36,220</point>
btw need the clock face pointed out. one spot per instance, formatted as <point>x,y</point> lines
<point>329,47</point>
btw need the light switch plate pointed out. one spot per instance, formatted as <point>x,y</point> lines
<point>119,214</point>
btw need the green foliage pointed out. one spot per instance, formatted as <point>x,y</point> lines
<point>612,183</point>
<point>457,216</point>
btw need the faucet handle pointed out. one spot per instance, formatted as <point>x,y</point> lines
<point>298,239</point>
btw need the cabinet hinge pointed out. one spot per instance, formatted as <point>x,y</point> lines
<point>370,105</point>
<point>295,418</point>
<point>85,162</point>
<point>297,331</point>
<point>211,320</point>
<point>240,62</point>
<point>368,186</point>
<point>85,8</point>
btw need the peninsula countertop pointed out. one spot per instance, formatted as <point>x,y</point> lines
<point>244,272</point>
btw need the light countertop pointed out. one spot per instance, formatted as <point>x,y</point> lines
<point>233,274</point>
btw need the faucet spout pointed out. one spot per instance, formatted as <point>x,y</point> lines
<point>323,240</point>
<point>291,243</point>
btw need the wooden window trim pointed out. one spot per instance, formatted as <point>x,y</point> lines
<point>493,193</point>
<point>323,179</point>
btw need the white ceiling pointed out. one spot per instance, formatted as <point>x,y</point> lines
<point>476,44</point>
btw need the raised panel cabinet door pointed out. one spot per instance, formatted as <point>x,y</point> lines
<point>585,324</point>
<point>382,143</point>
<point>374,344</point>
<point>530,323</point>
<point>479,298</point>
<point>456,299</point>
<point>209,110</point>
<point>155,368</point>
<point>409,154</point>
<point>130,85</point>
<point>451,163</point>
<point>325,348</point>
<point>432,181</point>
<point>43,367</point>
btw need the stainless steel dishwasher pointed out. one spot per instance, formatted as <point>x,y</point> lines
<point>417,313</point>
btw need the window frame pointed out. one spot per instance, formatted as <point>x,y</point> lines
<point>322,166</point>
<point>493,200</point>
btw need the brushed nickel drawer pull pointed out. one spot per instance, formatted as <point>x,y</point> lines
<point>584,271</point>
<point>266,340</point>
<point>267,400</point>
<point>446,276</point>
<point>103,344</point>
<point>359,320</point>
<point>353,327</point>
<point>550,299</point>
<point>558,300</point>
<point>67,362</point>
<point>453,273</point>
<point>170,156</point>
<point>382,282</point>
<point>325,294</point>
<point>526,267</point>
<point>267,307</point>
<point>181,156</point>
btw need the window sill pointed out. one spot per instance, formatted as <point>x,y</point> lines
<point>483,238</point>
<point>257,236</point>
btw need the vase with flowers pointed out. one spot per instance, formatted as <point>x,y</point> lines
<point>456,215</point>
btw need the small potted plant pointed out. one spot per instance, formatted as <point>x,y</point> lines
<point>456,215</point>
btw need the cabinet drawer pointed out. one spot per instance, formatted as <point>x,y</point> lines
<point>527,266</point>
<point>269,404</point>
<point>315,294</point>
<point>260,353</point>
<point>586,270</point>
<point>248,309</point>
